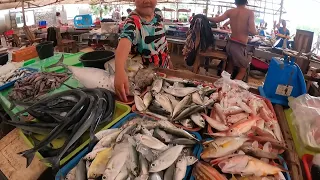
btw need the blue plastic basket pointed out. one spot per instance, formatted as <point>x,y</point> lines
<point>73,162</point>
<point>11,83</point>
<point>284,164</point>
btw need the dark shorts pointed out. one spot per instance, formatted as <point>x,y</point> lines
<point>237,54</point>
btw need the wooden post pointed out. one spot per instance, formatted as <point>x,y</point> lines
<point>281,11</point>
<point>207,7</point>
<point>23,14</point>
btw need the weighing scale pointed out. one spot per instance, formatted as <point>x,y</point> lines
<point>284,79</point>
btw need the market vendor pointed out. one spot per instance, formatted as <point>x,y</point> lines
<point>242,24</point>
<point>144,30</point>
<point>283,33</point>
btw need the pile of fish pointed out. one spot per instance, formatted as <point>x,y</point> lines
<point>36,85</point>
<point>97,78</point>
<point>141,150</point>
<point>248,138</point>
<point>177,100</point>
<point>238,112</point>
<point>14,75</point>
<point>67,114</point>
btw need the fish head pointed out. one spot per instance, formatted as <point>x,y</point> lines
<point>234,164</point>
<point>191,160</point>
<point>155,166</point>
<point>208,151</point>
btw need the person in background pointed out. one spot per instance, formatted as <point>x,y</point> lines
<point>242,24</point>
<point>129,11</point>
<point>283,33</point>
<point>97,22</point>
<point>58,20</point>
<point>145,30</point>
<point>116,15</point>
<point>190,18</point>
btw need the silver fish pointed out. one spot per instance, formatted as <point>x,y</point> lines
<point>90,156</point>
<point>179,132</point>
<point>123,174</point>
<point>150,142</point>
<point>144,168</point>
<point>126,131</point>
<point>164,102</point>
<point>157,85</point>
<point>133,160</point>
<point>155,176</point>
<point>168,175</point>
<point>183,141</point>
<point>116,164</point>
<point>161,135</point>
<point>145,131</point>
<point>189,111</point>
<point>191,160</point>
<point>139,103</point>
<point>166,159</point>
<point>156,115</point>
<point>146,152</point>
<point>107,140</point>
<point>180,92</point>
<point>173,100</point>
<point>181,168</point>
<point>188,123</point>
<point>147,98</point>
<point>182,104</point>
<point>104,133</point>
<point>178,85</point>
<point>196,98</point>
<point>198,120</point>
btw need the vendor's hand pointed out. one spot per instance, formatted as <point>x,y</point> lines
<point>121,85</point>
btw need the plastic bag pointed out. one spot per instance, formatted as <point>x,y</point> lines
<point>306,118</point>
<point>225,82</point>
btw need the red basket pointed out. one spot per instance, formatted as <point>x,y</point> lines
<point>257,63</point>
<point>307,162</point>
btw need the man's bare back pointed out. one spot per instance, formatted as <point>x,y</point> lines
<point>240,23</point>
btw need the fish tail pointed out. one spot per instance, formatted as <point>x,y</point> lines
<point>59,63</point>
<point>29,155</point>
<point>54,161</point>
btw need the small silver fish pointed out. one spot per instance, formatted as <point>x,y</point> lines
<point>147,98</point>
<point>188,123</point>
<point>157,85</point>
<point>181,105</point>
<point>139,103</point>
<point>198,120</point>
<point>180,92</point>
<point>196,98</point>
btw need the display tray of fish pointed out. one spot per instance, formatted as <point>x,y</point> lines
<point>239,156</point>
<point>178,100</point>
<point>237,112</point>
<point>137,147</point>
<point>36,85</point>
<point>8,79</point>
<point>65,122</point>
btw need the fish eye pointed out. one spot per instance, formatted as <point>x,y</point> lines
<point>179,160</point>
<point>190,157</point>
<point>153,165</point>
<point>231,130</point>
<point>103,177</point>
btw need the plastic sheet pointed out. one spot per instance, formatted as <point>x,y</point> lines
<point>306,118</point>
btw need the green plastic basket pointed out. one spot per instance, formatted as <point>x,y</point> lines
<point>120,112</point>
<point>300,147</point>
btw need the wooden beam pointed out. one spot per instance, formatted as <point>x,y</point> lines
<point>23,14</point>
<point>33,4</point>
<point>290,155</point>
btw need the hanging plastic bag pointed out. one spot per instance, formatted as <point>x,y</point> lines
<point>306,118</point>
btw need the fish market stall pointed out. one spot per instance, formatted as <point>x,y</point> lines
<point>177,109</point>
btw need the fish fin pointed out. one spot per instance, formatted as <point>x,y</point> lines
<point>29,155</point>
<point>94,140</point>
<point>54,161</point>
<point>59,63</point>
<point>110,70</point>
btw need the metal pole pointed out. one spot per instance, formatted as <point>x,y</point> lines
<point>23,14</point>
<point>281,10</point>
<point>207,8</point>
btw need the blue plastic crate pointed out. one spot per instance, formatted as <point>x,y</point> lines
<point>11,83</point>
<point>73,162</point>
<point>284,164</point>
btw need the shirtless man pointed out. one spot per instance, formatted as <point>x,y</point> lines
<point>242,24</point>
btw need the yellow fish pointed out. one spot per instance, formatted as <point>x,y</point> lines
<point>99,164</point>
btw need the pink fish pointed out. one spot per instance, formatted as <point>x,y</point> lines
<point>220,113</point>
<point>247,165</point>
<point>232,110</point>
<point>244,106</point>
<point>237,117</point>
<point>215,124</point>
